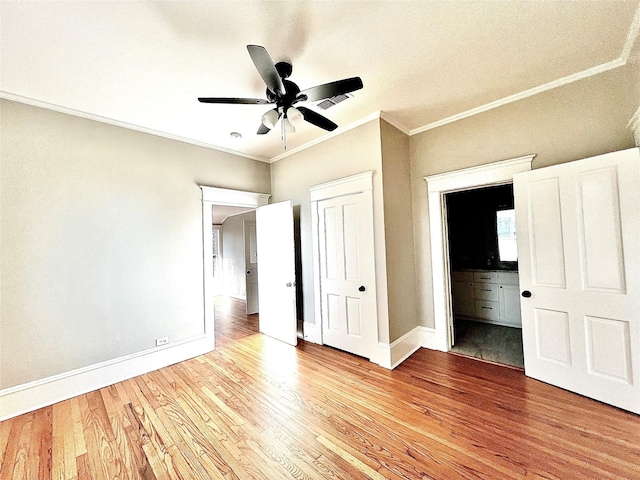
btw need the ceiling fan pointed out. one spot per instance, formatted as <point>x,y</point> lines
<point>285,94</point>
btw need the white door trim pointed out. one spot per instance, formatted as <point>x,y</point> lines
<point>219,196</point>
<point>437,186</point>
<point>360,183</point>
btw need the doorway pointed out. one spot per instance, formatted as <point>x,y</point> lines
<point>235,259</point>
<point>437,187</point>
<point>481,237</point>
<point>219,204</point>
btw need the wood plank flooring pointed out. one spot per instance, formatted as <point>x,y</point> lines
<point>257,408</point>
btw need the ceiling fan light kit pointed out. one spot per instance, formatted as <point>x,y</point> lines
<point>270,119</point>
<point>285,94</point>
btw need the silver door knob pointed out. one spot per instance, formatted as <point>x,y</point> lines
<point>289,284</point>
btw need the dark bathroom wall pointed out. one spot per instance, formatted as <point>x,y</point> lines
<point>471,217</point>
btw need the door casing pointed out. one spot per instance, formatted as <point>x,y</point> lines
<point>438,186</point>
<point>360,183</point>
<point>212,196</point>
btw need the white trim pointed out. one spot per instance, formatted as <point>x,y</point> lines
<point>361,182</point>
<point>311,333</point>
<point>390,356</point>
<point>634,125</point>
<point>589,72</point>
<point>233,198</point>
<point>478,176</point>
<point>387,118</point>
<point>632,36</point>
<point>130,126</point>
<point>353,184</point>
<point>335,133</point>
<point>437,186</point>
<point>40,393</point>
<point>428,338</point>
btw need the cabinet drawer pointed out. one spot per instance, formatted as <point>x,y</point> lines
<point>487,310</point>
<point>485,277</point>
<point>486,291</point>
<point>508,278</point>
<point>462,276</point>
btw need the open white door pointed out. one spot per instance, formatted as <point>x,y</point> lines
<point>579,264</point>
<point>276,275</point>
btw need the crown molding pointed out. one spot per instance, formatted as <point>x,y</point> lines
<point>622,60</point>
<point>110,121</point>
<point>590,72</point>
<point>634,125</point>
<point>631,38</point>
<point>391,121</point>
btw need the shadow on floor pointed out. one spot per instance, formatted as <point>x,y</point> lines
<point>494,343</point>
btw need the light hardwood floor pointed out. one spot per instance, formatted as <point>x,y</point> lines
<point>257,408</point>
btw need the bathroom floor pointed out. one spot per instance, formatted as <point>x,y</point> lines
<point>494,343</point>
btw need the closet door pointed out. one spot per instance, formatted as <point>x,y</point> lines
<point>347,276</point>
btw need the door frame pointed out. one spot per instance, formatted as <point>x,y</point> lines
<point>497,173</point>
<point>212,196</point>
<point>354,184</point>
<point>247,254</point>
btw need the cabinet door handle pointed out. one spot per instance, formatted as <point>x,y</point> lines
<point>487,308</point>
<point>526,294</point>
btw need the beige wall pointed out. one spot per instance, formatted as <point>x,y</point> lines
<point>101,237</point>
<point>398,220</point>
<point>352,152</point>
<point>585,118</point>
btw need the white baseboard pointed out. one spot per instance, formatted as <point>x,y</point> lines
<point>390,356</point>
<point>30,396</point>
<point>311,333</point>
<point>236,296</point>
<point>429,339</point>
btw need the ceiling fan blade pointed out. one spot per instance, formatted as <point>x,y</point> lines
<point>245,101</point>
<point>317,119</point>
<point>263,129</point>
<point>266,68</point>
<point>332,89</point>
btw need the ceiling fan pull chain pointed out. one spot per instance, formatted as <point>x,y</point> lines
<point>284,132</point>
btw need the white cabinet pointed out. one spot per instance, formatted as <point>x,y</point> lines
<point>464,300</point>
<point>509,300</point>
<point>488,296</point>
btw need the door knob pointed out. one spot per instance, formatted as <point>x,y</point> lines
<point>526,294</point>
<point>361,288</point>
<point>248,272</point>
<point>289,284</point>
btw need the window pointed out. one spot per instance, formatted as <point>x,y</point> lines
<point>506,225</point>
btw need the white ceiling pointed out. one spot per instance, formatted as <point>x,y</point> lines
<point>143,64</point>
<point>219,213</point>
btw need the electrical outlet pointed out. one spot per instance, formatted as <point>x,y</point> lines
<point>162,341</point>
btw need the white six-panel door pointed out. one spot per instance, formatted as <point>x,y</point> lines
<point>345,231</point>
<point>579,258</point>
